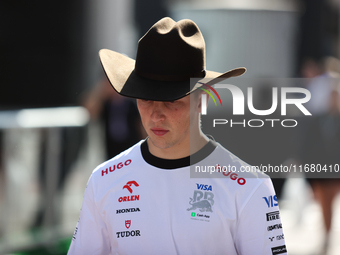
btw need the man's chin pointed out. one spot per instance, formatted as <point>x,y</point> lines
<point>159,143</point>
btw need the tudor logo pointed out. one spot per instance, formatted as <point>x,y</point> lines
<point>128,223</point>
<point>128,233</point>
<point>129,184</point>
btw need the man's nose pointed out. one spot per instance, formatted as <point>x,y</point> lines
<point>157,113</point>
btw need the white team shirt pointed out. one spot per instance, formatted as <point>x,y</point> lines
<point>136,203</point>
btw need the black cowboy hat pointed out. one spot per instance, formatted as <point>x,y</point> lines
<point>168,55</point>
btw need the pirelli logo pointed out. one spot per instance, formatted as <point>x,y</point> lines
<point>273,216</point>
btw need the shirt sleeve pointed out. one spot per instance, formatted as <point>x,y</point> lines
<point>259,228</point>
<point>90,236</point>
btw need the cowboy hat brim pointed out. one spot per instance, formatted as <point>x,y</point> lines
<point>119,70</point>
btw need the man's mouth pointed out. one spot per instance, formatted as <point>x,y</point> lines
<point>159,131</point>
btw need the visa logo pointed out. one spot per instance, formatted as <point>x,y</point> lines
<point>204,187</point>
<point>271,201</point>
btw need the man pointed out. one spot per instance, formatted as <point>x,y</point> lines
<point>143,201</point>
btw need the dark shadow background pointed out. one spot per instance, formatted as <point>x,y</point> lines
<point>41,48</point>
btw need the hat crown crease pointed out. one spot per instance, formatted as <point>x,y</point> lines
<point>171,51</point>
<point>168,55</point>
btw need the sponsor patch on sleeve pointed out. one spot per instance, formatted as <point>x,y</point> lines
<point>279,249</point>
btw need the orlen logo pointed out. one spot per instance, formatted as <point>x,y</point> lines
<point>119,166</point>
<point>128,187</point>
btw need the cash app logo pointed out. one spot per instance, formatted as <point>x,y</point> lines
<point>193,214</point>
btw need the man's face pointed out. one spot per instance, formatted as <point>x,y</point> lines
<point>168,123</point>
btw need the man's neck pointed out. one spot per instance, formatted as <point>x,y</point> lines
<point>182,150</point>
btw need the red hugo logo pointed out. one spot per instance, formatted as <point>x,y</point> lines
<point>231,175</point>
<point>119,166</point>
<point>128,187</point>
<point>204,97</point>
